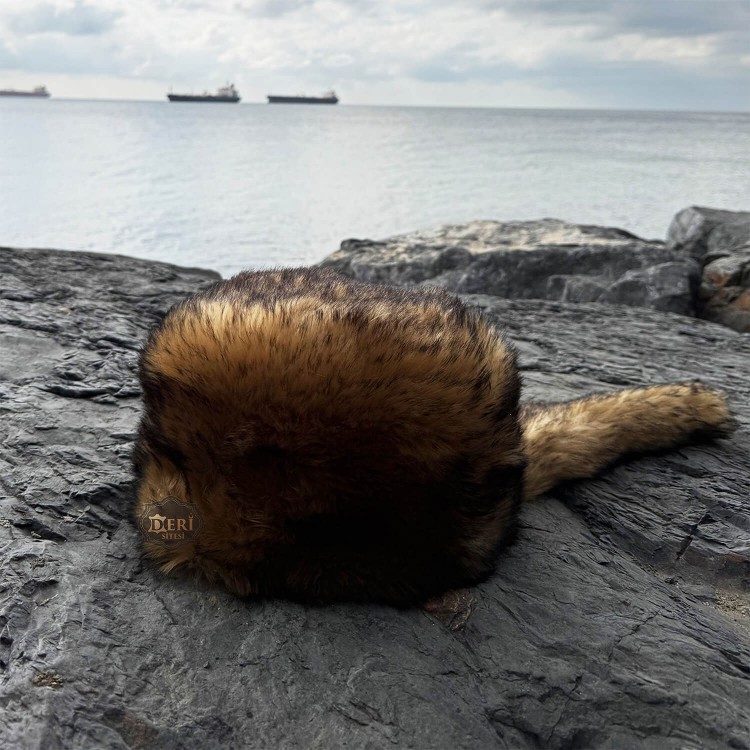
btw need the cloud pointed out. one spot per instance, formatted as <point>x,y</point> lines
<point>40,54</point>
<point>79,19</point>
<point>649,17</point>
<point>271,8</point>
<point>563,46</point>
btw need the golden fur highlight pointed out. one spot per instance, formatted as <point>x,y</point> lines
<point>345,440</point>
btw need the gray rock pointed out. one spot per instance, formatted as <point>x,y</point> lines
<point>670,287</point>
<point>720,240</point>
<point>546,259</point>
<point>620,618</point>
<point>725,291</point>
<point>574,289</point>
<point>698,231</point>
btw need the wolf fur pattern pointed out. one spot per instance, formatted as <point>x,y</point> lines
<point>343,440</point>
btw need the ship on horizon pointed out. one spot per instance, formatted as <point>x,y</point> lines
<point>226,95</point>
<point>39,92</point>
<point>328,98</point>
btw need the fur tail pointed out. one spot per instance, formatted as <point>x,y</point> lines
<point>576,439</point>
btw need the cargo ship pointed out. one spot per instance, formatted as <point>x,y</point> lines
<point>328,98</point>
<point>226,95</point>
<point>40,92</point>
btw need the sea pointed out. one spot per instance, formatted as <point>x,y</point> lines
<point>233,186</point>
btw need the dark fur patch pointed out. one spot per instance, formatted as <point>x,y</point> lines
<point>348,498</point>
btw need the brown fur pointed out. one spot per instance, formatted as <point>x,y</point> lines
<point>344,440</point>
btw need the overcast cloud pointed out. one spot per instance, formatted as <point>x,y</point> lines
<point>668,54</point>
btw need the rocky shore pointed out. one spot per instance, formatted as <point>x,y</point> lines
<point>702,269</point>
<point>620,618</point>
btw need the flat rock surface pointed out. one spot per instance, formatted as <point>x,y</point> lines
<point>544,259</point>
<point>620,618</point>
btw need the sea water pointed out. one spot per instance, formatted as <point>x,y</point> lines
<point>232,186</point>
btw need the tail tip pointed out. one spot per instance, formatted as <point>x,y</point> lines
<point>712,411</point>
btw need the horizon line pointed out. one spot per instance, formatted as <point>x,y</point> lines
<point>419,106</point>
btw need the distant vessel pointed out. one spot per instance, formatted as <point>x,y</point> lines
<point>40,92</point>
<point>226,94</point>
<point>328,98</point>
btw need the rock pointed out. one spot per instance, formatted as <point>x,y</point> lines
<point>620,618</point>
<point>720,240</point>
<point>547,259</point>
<point>725,291</point>
<point>666,286</point>
<point>697,231</point>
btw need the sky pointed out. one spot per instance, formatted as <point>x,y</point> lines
<point>626,54</point>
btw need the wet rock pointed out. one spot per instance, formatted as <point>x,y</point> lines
<point>620,618</point>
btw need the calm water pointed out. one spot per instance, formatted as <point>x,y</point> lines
<point>233,186</point>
